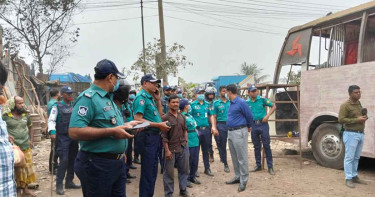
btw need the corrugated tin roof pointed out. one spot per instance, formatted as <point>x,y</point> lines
<point>226,80</point>
<point>337,15</point>
<point>70,78</point>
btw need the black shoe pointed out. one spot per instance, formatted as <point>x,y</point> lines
<point>349,183</point>
<point>129,176</point>
<point>233,181</point>
<point>189,184</point>
<point>137,161</point>
<point>226,168</point>
<point>161,170</point>
<point>211,155</point>
<point>128,181</point>
<point>242,187</point>
<point>357,180</point>
<point>270,170</point>
<point>183,193</point>
<point>256,168</point>
<point>72,185</point>
<point>132,167</point>
<point>195,181</point>
<point>59,189</point>
<point>197,174</point>
<point>208,172</point>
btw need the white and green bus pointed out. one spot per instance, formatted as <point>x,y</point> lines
<point>332,52</point>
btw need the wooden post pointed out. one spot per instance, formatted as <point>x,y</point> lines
<point>162,41</point>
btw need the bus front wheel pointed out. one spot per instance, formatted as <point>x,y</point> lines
<point>327,146</point>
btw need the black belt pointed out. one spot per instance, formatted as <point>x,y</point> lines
<point>113,156</point>
<point>354,131</point>
<point>257,121</point>
<point>236,128</point>
<point>192,131</point>
<point>152,131</point>
<point>202,128</point>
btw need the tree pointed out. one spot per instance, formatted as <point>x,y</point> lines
<point>293,78</point>
<point>174,62</point>
<point>38,25</point>
<point>60,52</point>
<point>253,70</point>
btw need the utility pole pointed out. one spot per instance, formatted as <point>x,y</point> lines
<point>143,39</point>
<point>162,41</point>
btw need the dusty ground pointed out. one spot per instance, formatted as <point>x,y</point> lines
<point>290,180</point>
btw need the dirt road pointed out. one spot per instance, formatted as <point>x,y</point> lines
<point>290,180</point>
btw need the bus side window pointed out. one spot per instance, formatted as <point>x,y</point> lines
<point>369,41</point>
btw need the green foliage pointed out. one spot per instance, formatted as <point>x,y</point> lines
<point>294,77</point>
<point>253,70</point>
<point>153,62</point>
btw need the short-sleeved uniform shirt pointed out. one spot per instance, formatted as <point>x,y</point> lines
<point>19,129</point>
<point>258,107</point>
<point>200,113</point>
<point>193,140</point>
<point>221,110</point>
<point>95,108</point>
<point>145,104</point>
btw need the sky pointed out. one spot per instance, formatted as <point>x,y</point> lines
<point>218,35</point>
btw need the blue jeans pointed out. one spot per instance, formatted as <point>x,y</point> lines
<point>100,177</point>
<point>353,148</point>
<point>221,141</point>
<point>258,133</point>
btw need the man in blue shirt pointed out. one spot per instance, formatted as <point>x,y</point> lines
<point>239,123</point>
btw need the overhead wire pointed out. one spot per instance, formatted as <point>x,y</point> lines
<point>221,26</point>
<point>243,7</point>
<point>282,5</point>
<point>229,22</point>
<point>229,15</point>
<point>113,20</point>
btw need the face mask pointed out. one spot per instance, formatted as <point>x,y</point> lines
<point>132,97</point>
<point>200,97</point>
<point>115,87</point>
<point>179,96</point>
<point>70,99</point>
